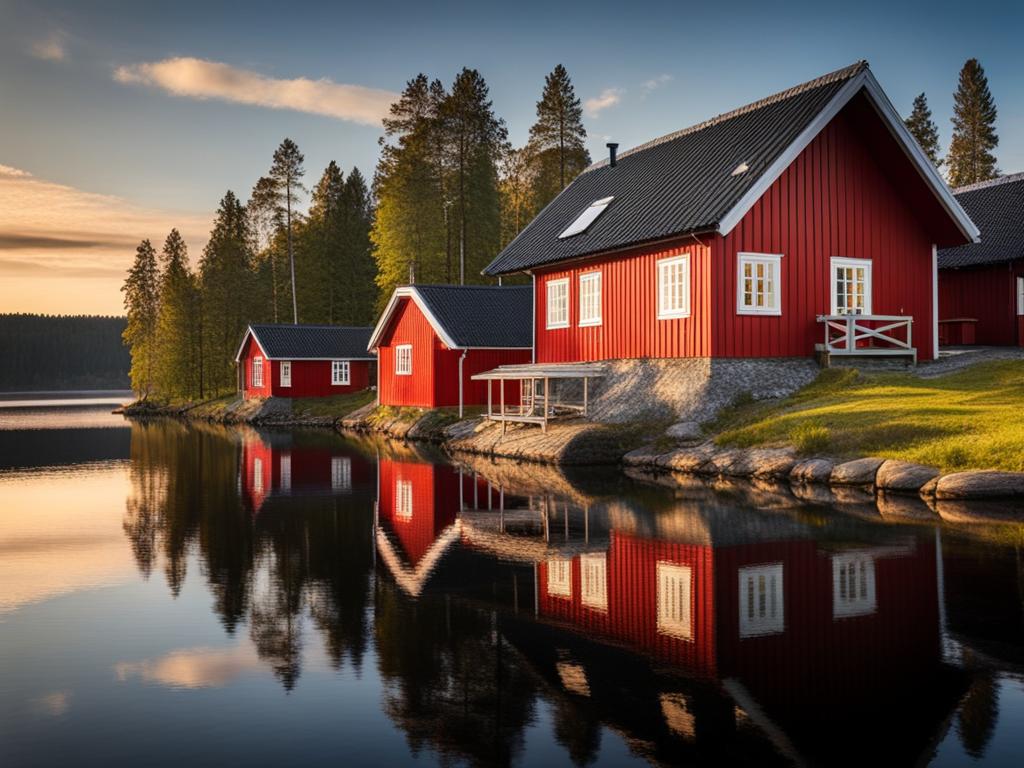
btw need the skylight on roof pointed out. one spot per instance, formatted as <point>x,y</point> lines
<point>588,217</point>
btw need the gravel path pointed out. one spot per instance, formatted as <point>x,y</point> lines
<point>956,358</point>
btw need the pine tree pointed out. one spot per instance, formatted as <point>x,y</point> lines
<point>178,333</point>
<point>141,302</point>
<point>556,147</point>
<point>264,211</point>
<point>924,129</point>
<point>356,265</point>
<point>321,246</point>
<point>974,136</point>
<point>516,193</point>
<point>287,172</point>
<point>227,279</point>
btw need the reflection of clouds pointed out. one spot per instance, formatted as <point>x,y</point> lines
<point>192,667</point>
<point>54,704</point>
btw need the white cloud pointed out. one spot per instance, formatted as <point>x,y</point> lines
<point>203,79</point>
<point>609,97</point>
<point>656,82</point>
<point>51,48</point>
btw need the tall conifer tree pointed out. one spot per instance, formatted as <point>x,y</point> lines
<point>974,134</point>
<point>557,139</point>
<point>287,173</point>
<point>142,304</point>
<point>924,129</point>
<point>178,331</point>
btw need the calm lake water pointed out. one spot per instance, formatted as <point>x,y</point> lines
<point>177,595</point>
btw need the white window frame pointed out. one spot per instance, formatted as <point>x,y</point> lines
<point>590,281</point>
<point>286,472</point>
<point>853,585</point>
<point>560,578</point>
<point>403,359</point>
<point>773,261</point>
<point>257,475</point>
<point>665,266</point>
<point>847,263</point>
<point>286,373</point>
<point>762,600</point>
<point>594,580</point>
<point>257,371</point>
<point>403,499</point>
<point>341,473</point>
<point>675,600</point>
<point>562,283</point>
<point>1020,296</point>
<point>341,373</point>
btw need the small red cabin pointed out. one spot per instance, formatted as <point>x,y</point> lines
<point>303,361</point>
<point>981,286</point>
<point>807,221</point>
<point>432,338</point>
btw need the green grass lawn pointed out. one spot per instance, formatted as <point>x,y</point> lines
<point>337,406</point>
<point>971,419</point>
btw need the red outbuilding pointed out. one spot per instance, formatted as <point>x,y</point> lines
<point>432,338</point>
<point>808,219</point>
<point>981,286</point>
<point>303,361</point>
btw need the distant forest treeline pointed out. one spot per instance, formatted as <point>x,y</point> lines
<point>62,352</point>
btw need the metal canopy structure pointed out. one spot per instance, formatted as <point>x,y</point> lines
<point>534,408</point>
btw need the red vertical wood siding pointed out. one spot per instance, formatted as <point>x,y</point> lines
<point>435,503</point>
<point>629,309</point>
<point>835,199</point>
<point>310,378</point>
<point>987,294</point>
<point>434,382</point>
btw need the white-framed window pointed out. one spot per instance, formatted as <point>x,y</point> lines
<point>560,578</point>
<point>674,287</point>
<point>286,471</point>
<point>853,585</point>
<point>257,475</point>
<point>403,499</point>
<point>339,373</point>
<point>675,600</point>
<point>590,298</point>
<point>1020,296</point>
<point>403,360</point>
<point>851,286</point>
<point>257,371</point>
<point>286,373</point>
<point>759,284</point>
<point>762,609</point>
<point>341,473</point>
<point>558,303</point>
<point>594,578</point>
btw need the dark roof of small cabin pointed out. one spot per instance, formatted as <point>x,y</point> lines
<point>997,207</point>
<point>313,342</point>
<point>482,315</point>
<point>680,183</point>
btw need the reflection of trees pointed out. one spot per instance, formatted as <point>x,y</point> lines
<point>452,683</point>
<point>301,555</point>
<point>979,712</point>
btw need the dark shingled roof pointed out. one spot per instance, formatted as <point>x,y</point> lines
<point>997,207</point>
<point>674,185</point>
<point>482,315</point>
<point>325,342</point>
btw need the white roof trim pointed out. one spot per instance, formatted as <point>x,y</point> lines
<point>250,332</point>
<point>408,292</point>
<point>899,131</point>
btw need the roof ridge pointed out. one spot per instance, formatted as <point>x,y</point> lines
<point>832,77</point>
<point>461,287</point>
<point>310,325</point>
<point>1009,178</point>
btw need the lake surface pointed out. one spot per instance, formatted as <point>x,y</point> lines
<point>196,595</point>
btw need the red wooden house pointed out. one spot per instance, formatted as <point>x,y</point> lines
<point>741,236</point>
<point>432,338</point>
<point>303,361</point>
<point>981,286</point>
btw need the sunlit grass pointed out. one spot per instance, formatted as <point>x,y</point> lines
<point>336,406</point>
<point>970,419</point>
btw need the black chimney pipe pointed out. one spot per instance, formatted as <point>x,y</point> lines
<point>612,146</point>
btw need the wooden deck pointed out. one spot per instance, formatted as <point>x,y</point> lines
<point>869,336</point>
<point>534,408</point>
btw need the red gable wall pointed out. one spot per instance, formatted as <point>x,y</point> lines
<point>987,294</point>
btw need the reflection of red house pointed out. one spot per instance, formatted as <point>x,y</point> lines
<point>303,361</point>
<point>276,465</point>
<point>432,339</point>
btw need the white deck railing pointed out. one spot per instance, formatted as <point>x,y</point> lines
<point>869,335</point>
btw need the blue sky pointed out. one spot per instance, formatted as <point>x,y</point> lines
<point>82,113</point>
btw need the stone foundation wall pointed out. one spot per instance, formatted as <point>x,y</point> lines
<point>685,389</point>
